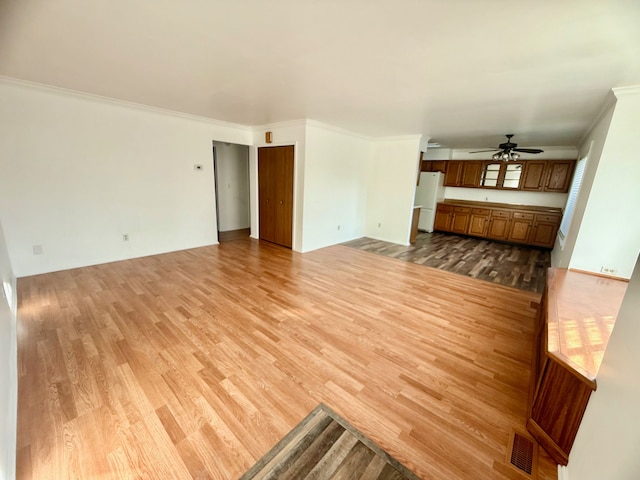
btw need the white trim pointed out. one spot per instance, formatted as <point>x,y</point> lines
<point>399,138</point>
<point>608,103</point>
<point>333,128</point>
<point>630,90</point>
<point>563,472</point>
<point>123,103</point>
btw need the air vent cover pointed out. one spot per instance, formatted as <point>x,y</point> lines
<point>522,453</point>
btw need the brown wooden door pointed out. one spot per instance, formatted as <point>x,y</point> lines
<point>443,218</point>
<point>499,224</point>
<point>275,194</point>
<point>478,224</point>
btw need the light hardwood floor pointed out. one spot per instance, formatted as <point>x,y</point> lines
<point>195,363</point>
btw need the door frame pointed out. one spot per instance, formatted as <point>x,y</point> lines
<point>296,236</point>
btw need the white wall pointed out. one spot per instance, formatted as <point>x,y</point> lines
<point>335,184</point>
<point>78,172</point>
<point>232,176</point>
<point>544,199</point>
<point>592,146</point>
<point>8,364</point>
<point>609,234</point>
<point>391,188</point>
<point>607,442</point>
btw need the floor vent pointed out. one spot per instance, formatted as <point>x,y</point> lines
<point>523,453</point>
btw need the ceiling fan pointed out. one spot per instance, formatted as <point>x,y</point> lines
<point>508,150</point>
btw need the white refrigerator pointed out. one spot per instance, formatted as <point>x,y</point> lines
<point>429,192</point>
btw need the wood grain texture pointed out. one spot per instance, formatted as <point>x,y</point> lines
<point>194,364</point>
<point>510,265</point>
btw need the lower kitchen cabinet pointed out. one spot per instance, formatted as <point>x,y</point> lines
<point>443,218</point>
<point>520,227</point>
<point>460,220</point>
<point>479,222</point>
<point>525,224</point>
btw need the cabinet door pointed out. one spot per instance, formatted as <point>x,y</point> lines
<point>460,220</point>
<point>426,166</point>
<point>453,174</point>
<point>478,224</point>
<point>534,175</point>
<point>520,227</point>
<point>559,175</point>
<point>442,221</point>
<point>545,229</point>
<point>438,166</point>
<point>499,225</point>
<point>471,172</point>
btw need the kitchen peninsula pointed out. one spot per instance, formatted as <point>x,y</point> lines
<point>575,320</point>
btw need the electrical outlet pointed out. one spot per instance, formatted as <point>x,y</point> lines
<point>125,237</point>
<point>37,250</point>
<point>608,270</point>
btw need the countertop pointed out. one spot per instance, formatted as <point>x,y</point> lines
<point>582,310</point>
<point>511,206</point>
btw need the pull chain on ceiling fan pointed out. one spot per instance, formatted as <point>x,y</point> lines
<point>509,151</point>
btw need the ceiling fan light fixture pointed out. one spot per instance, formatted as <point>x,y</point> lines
<point>515,156</point>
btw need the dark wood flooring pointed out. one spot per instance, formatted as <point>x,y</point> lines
<point>515,266</point>
<point>231,235</point>
<point>323,446</point>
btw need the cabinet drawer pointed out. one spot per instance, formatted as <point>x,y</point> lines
<point>480,211</point>
<point>523,216</point>
<point>461,209</point>
<point>500,213</point>
<point>548,218</point>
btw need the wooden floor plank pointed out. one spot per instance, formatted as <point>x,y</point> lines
<point>196,363</point>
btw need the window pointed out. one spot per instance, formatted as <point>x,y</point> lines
<point>569,208</point>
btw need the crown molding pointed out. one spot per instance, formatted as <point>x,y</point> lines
<point>122,103</point>
<point>609,103</point>
<point>624,91</point>
<point>340,130</point>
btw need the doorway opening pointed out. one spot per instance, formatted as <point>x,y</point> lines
<point>231,177</point>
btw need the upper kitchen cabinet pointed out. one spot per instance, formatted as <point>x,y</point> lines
<point>533,175</point>
<point>528,175</point>
<point>559,175</point>
<point>453,173</point>
<point>471,172</point>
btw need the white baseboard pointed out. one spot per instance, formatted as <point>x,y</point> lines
<point>563,472</point>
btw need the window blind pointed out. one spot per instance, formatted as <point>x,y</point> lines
<point>569,208</point>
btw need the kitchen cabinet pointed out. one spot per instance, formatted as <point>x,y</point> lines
<point>444,213</point>
<point>499,224</point>
<point>545,229</point>
<point>453,173</point>
<point>471,172</point>
<point>559,175</point>
<point>520,227</point>
<point>460,220</point>
<point>533,176</point>
<point>479,222</point>
<point>527,175</point>
<point>433,165</point>
<point>525,224</point>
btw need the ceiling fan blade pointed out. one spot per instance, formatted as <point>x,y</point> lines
<point>528,150</point>
<point>491,150</point>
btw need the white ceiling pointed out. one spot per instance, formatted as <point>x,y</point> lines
<point>464,72</point>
